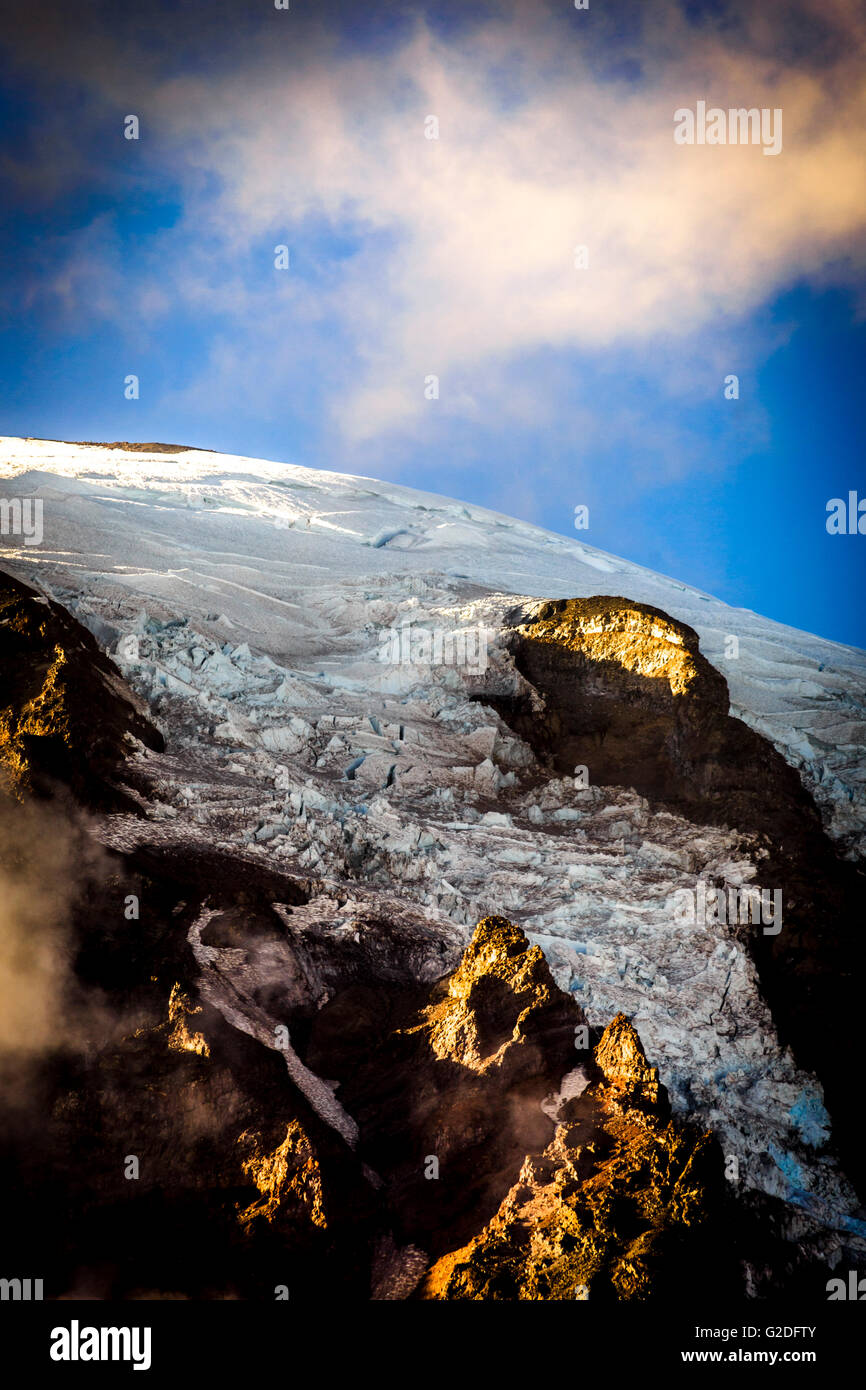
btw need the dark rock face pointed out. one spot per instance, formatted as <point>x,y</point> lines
<point>237,1172</point>
<point>627,693</point>
<point>238,1187</point>
<point>66,716</point>
<point>460,1082</point>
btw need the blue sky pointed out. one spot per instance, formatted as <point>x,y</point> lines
<point>454,257</point>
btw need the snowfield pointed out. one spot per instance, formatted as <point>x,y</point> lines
<point>250,602</point>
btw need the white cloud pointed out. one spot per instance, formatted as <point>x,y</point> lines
<point>466,244</point>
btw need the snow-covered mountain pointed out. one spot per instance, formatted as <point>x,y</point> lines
<point>328,658</point>
<point>283,557</point>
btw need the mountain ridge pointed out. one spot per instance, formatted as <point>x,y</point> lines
<point>249,613</point>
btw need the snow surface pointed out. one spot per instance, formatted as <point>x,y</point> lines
<point>249,601</point>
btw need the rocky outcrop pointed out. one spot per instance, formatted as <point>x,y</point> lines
<point>622,689</point>
<point>620,1204</point>
<point>621,1061</point>
<point>66,717</point>
<point>289,1180</point>
<point>500,1013</point>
